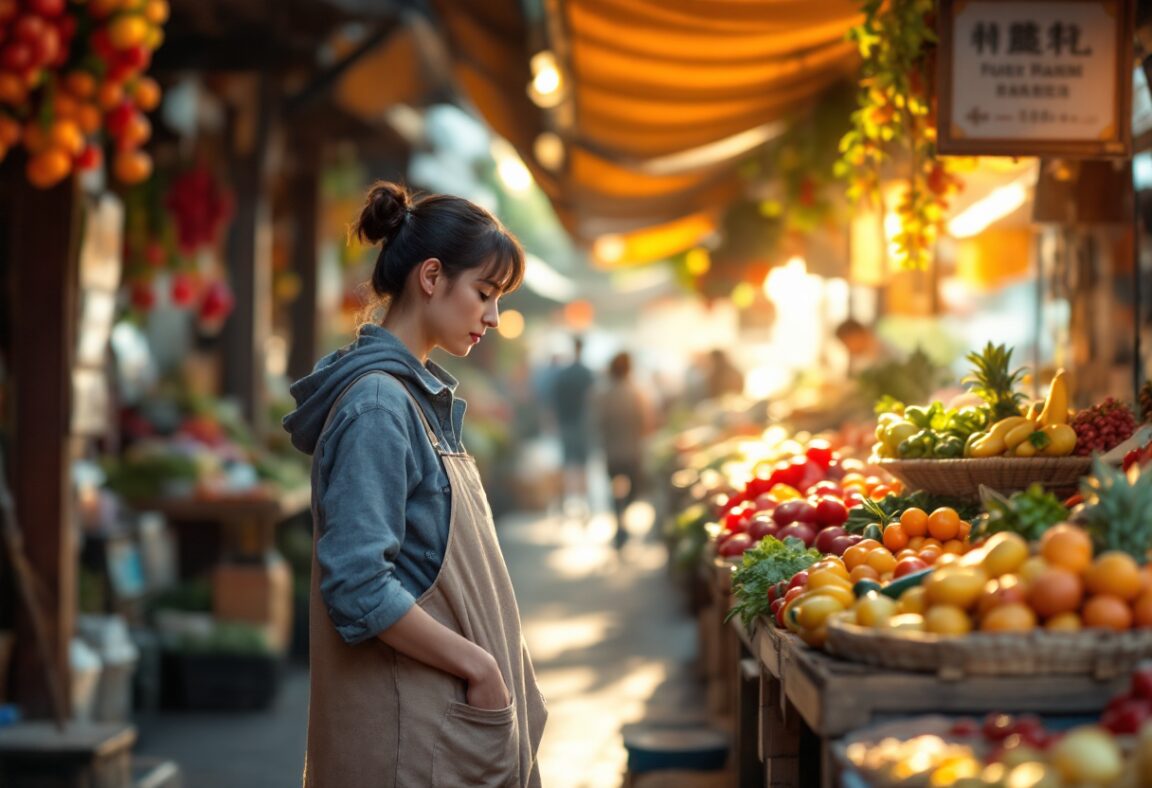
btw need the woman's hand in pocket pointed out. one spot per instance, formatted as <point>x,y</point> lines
<point>486,690</point>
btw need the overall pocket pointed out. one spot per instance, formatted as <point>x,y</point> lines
<point>477,748</point>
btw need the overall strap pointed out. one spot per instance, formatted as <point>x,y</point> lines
<point>419,410</point>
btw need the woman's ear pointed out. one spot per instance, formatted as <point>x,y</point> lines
<point>428,274</point>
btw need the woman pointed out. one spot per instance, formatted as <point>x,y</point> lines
<point>419,675</point>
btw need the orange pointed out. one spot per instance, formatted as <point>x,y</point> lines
<point>929,554</point>
<point>1068,546</point>
<point>914,521</point>
<point>965,530</point>
<point>856,555</point>
<point>895,539</point>
<point>1114,573</point>
<point>863,572</point>
<point>1142,610</point>
<point>1032,568</point>
<point>881,560</point>
<point>1107,612</point>
<point>916,542</point>
<point>879,492</point>
<point>1013,617</point>
<point>1056,591</point>
<point>1003,590</point>
<point>947,620</point>
<point>1065,622</point>
<point>944,524</point>
<point>955,547</point>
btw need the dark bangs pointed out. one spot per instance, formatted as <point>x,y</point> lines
<point>505,266</point>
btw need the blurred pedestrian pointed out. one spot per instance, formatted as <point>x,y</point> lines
<point>625,418</point>
<point>571,388</point>
<point>723,377</point>
<point>419,673</point>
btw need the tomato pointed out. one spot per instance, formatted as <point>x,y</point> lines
<point>1142,683</point>
<point>90,158</point>
<point>8,10</point>
<point>17,57</point>
<point>997,727</point>
<point>128,30</point>
<point>66,135</point>
<point>133,166</point>
<point>830,511</point>
<point>46,8</point>
<point>48,167</point>
<point>156,11</point>
<point>819,452</point>
<point>734,545</point>
<point>965,726</point>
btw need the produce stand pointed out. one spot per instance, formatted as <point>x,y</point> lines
<point>833,697</point>
<point>251,582</point>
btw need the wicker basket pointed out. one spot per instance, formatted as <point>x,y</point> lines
<point>962,478</point>
<point>1098,653</point>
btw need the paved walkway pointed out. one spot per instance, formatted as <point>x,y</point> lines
<point>611,640</point>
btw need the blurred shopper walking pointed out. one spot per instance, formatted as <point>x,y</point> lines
<point>419,673</point>
<point>571,392</point>
<point>625,418</point>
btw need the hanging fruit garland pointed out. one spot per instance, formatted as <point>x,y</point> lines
<point>897,114</point>
<point>173,224</point>
<point>72,77</point>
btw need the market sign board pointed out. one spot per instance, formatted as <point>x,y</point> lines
<point>1035,77</point>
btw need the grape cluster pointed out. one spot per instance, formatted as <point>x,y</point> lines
<point>1102,426</point>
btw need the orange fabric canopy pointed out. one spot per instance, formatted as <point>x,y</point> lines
<point>656,92</point>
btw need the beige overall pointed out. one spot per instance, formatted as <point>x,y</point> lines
<point>378,718</point>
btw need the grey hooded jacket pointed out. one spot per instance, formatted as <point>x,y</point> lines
<point>381,492</point>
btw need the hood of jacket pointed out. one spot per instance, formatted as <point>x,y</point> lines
<point>374,349</point>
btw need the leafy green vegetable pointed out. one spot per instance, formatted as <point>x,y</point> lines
<point>764,565</point>
<point>1029,513</point>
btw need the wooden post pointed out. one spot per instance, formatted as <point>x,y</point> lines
<point>249,256</point>
<point>306,221</point>
<point>42,249</point>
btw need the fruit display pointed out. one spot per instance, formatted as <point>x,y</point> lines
<point>1043,432</point>
<point>931,432</point>
<point>72,78</point>
<point>1101,427</point>
<point>1004,586</point>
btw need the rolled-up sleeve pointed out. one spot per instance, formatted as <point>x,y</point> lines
<point>362,524</point>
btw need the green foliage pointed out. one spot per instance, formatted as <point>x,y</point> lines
<point>764,565</point>
<point>895,114</point>
<point>1029,513</point>
<point>1118,509</point>
<point>911,380</point>
<point>994,381</point>
<point>136,478</point>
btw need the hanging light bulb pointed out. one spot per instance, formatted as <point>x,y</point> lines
<point>547,89</point>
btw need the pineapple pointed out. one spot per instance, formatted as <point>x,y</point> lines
<point>993,381</point>
<point>1117,509</point>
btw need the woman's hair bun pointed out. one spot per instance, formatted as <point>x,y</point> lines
<point>385,209</point>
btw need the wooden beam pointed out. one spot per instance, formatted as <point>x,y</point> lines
<point>306,209</point>
<point>42,249</point>
<point>249,254</point>
<point>321,85</point>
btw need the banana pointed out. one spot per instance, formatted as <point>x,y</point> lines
<point>1019,434</point>
<point>1056,405</point>
<point>993,442</point>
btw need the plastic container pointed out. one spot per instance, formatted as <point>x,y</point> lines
<point>86,667</point>
<point>119,657</point>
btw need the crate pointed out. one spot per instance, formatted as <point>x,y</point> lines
<point>221,682</point>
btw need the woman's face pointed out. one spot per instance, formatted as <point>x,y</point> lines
<point>461,310</point>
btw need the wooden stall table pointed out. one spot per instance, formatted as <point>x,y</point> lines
<point>234,536</point>
<point>832,697</point>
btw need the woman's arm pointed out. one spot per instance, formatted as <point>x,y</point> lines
<point>421,637</point>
